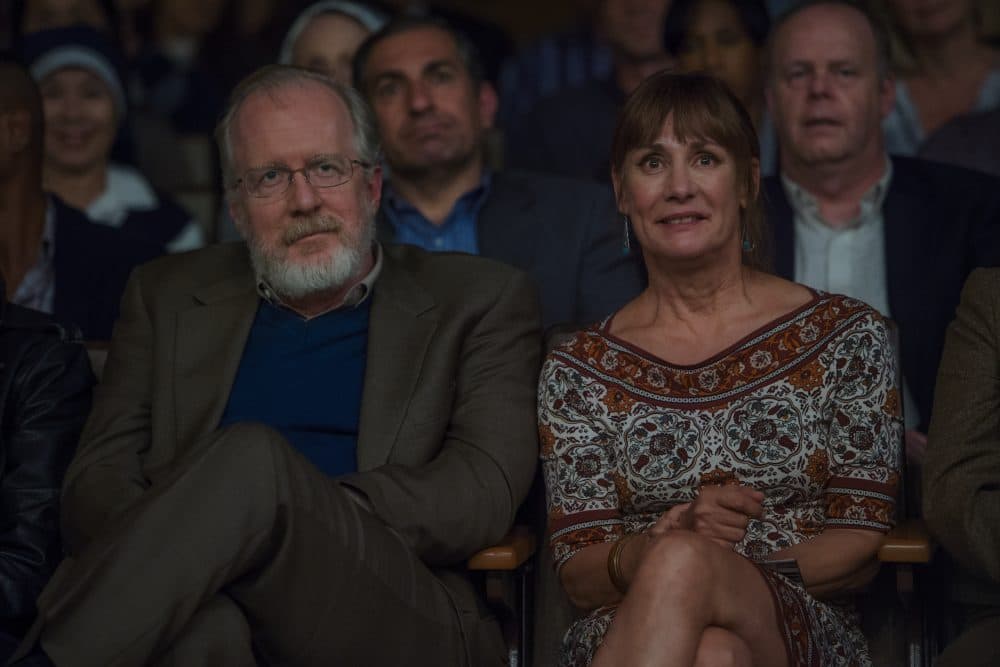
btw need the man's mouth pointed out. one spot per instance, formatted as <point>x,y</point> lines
<point>822,122</point>
<point>302,230</point>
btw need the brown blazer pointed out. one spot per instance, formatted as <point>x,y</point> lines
<point>962,471</point>
<point>447,443</point>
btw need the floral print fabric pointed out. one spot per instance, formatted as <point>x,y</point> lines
<point>805,410</point>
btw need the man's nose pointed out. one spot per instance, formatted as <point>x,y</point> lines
<point>303,195</point>
<point>420,97</point>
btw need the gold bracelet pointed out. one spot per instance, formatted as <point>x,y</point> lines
<point>615,565</point>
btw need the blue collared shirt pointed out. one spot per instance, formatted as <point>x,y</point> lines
<point>458,232</point>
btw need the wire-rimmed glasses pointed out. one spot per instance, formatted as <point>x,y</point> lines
<point>325,171</point>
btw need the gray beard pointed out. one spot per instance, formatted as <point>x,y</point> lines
<point>292,280</point>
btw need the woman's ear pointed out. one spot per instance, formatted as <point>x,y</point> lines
<point>754,184</point>
<point>616,183</point>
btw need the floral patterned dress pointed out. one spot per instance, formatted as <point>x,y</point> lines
<point>805,409</point>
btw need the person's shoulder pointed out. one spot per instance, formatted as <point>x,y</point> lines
<point>846,313</point>
<point>928,178</point>
<point>449,271</point>
<point>982,287</point>
<point>550,188</point>
<point>34,322</point>
<point>214,262</point>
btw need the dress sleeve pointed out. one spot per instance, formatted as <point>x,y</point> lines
<point>865,428</point>
<point>578,448</point>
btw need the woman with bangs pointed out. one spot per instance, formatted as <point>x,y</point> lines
<point>721,454</point>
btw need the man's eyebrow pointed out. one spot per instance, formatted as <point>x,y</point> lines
<point>438,64</point>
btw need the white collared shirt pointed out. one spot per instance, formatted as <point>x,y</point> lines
<point>846,260</point>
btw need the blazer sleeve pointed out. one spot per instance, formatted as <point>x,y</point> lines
<point>46,408</point>
<point>465,498</point>
<point>106,475</point>
<point>962,470</point>
<point>609,276</point>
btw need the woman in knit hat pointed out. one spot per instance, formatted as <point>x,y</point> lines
<point>84,98</point>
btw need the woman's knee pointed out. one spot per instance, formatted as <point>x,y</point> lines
<point>679,558</point>
<point>721,648</point>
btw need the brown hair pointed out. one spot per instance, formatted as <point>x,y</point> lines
<point>702,107</point>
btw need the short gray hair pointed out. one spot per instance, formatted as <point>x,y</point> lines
<point>271,79</point>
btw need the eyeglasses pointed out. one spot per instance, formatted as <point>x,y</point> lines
<point>327,171</point>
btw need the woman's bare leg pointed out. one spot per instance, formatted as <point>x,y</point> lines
<point>685,585</point>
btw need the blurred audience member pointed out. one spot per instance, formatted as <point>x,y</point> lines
<point>725,38</point>
<point>962,473</point>
<point>900,234</point>
<point>53,258</point>
<point>28,16</point>
<point>84,100</point>
<point>432,108</point>
<point>565,59</point>
<point>45,382</point>
<point>570,132</point>
<point>173,80</point>
<point>948,70</point>
<point>325,36</point>
<point>971,141</point>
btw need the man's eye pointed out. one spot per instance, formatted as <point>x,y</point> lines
<point>387,89</point>
<point>441,75</point>
<point>269,177</point>
<point>847,71</point>
<point>329,169</point>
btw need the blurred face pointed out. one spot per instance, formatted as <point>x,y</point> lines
<point>930,18</point>
<point>189,17</point>
<point>635,27</point>
<point>682,198</point>
<point>429,113</point>
<point>45,14</point>
<point>308,239</point>
<point>717,43</point>
<point>824,91</point>
<point>80,120</point>
<point>328,44</point>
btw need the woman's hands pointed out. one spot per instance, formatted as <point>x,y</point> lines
<point>720,513</point>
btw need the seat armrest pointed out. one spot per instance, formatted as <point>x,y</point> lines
<point>517,547</point>
<point>908,542</point>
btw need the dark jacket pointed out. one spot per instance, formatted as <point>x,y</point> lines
<point>566,235</point>
<point>941,222</point>
<point>92,262</point>
<point>45,394</point>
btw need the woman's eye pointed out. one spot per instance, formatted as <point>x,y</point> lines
<point>651,163</point>
<point>706,160</point>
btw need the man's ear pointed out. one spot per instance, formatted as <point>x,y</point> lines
<point>374,184</point>
<point>887,95</point>
<point>488,103</point>
<point>237,213</point>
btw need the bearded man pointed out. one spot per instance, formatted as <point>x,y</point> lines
<point>299,440</point>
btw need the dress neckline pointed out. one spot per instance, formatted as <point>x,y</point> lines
<point>605,330</point>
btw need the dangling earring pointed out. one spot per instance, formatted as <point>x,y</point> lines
<point>626,243</point>
<point>747,246</point>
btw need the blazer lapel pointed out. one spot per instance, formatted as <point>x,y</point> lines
<point>901,210</point>
<point>210,340</point>
<point>508,226</point>
<point>403,322</point>
<point>781,220</point>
